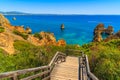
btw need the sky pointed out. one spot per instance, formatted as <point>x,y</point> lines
<point>62,6</point>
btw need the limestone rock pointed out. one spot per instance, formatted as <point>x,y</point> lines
<point>3,20</point>
<point>62,26</point>
<point>115,36</point>
<point>109,30</point>
<point>99,30</point>
<point>14,18</point>
<point>97,37</point>
<point>47,39</point>
<point>61,43</point>
<point>28,30</point>
<point>6,42</point>
<point>19,28</point>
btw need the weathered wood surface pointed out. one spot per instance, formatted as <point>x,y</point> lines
<point>67,70</point>
<point>36,75</point>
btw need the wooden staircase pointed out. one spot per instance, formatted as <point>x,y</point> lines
<point>61,67</point>
<point>67,70</point>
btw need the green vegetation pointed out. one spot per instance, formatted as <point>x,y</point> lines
<point>2,29</point>
<point>27,56</point>
<point>104,57</point>
<point>23,35</point>
<point>37,35</point>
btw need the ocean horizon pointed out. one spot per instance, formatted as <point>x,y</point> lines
<point>78,28</point>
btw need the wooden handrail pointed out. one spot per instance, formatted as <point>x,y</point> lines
<point>55,57</point>
<point>58,57</point>
<point>84,64</point>
<point>45,70</point>
<point>91,75</point>
<point>19,72</point>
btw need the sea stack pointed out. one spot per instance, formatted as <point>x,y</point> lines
<point>14,18</point>
<point>101,29</point>
<point>62,27</point>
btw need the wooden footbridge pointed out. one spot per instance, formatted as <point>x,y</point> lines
<point>61,67</point>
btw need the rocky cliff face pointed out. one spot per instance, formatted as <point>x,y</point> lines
<point>6,42</point>
<point>101,29</point>
<point>7,37</point>
<point>47,39</point>
<point>3,20</point>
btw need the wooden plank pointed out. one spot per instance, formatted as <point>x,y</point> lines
<point>66,71</point>
<point>36,75</point>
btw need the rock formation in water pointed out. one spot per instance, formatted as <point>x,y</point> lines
<point>109,30</point>
<point>101,29</point>
<point>115,36</point>
<point>62,27</point>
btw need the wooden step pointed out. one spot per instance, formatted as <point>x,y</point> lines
<point>67,70</point>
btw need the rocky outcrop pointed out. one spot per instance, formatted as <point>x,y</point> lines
<point>62,27</point>
<point>109,30</point>
<point>115,36</point>
<point>6,42</point>
<point>3,20</point>
<point>47,39</point>
<point>28,30</point>
<point>61,43</point>
<point>101,29</point>
<point>97,37</point>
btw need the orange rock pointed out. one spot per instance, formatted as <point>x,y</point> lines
<point>6,43</point>
<point>99,30</point>
<point>61,43</point>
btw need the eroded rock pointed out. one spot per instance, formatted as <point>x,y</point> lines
<point>101,29</point>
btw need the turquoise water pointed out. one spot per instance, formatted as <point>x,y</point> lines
<point>78,28</point>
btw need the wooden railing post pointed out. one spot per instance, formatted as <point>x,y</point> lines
<point>14,77</point>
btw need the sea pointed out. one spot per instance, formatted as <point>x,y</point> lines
<point>78,28</point>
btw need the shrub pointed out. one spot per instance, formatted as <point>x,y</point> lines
<point>37,35</point>
<point>23,35</point>
<point>2,29</point>
<point>105,61</point>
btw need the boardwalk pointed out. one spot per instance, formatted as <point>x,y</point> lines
<point>61,67</point>
<point>67,70</point>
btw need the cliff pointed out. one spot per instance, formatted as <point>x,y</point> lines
<point>46,39</point>
<point>10,33</point>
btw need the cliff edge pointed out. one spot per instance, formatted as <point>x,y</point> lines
<point>10,33</point>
